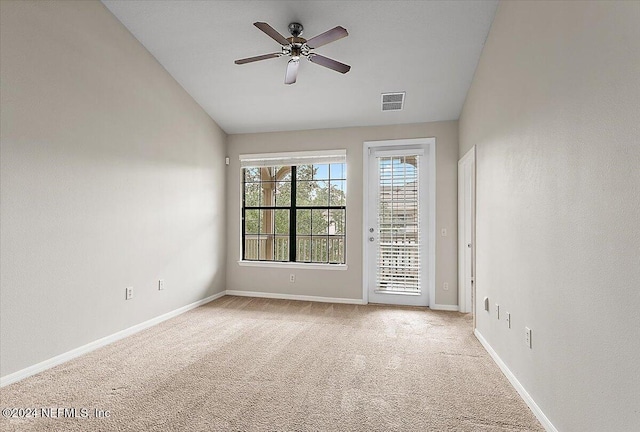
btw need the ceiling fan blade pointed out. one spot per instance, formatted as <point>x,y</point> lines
<point>272,33</point>
<point>329,36</point>
<point>292,71</point>
<point>258,58</point>
<point>329,63</point>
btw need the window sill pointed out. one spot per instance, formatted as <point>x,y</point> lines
<point>301,266</point>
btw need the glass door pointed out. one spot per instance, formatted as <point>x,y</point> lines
<point>397,229</point>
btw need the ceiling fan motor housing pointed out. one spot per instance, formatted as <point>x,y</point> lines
<point>297,47</point>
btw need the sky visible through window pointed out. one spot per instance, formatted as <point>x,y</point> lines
<point>337,172</point>
<point>322,172</point>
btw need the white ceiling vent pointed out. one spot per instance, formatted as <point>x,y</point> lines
<point>393,101</point>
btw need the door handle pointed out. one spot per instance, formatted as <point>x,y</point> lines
<point>371,239</point>
<point>468,245</point>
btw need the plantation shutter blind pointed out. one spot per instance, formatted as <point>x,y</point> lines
<point>399,248</point>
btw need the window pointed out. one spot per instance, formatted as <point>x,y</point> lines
<point>294,207</point>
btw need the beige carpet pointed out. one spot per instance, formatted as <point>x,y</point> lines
<point>244,364</point>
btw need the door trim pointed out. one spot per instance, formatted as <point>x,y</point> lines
<point>430,144</point>
<point>466,291</point>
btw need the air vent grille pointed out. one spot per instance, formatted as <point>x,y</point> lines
<point>393,101</point>
<point>392,106</point>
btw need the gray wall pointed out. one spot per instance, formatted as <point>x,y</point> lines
<point>554,114</point>
<point>111,176</point>
<point>345,284</point>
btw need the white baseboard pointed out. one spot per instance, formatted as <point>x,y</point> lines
<point>444,307</point>
<point>259,294</point>
<point>65,357</point>
<point>293,297</point>
<point>546,423</point>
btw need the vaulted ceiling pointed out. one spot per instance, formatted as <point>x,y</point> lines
<point>428,49</point>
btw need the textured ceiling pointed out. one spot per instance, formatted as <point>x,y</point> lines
<point>427,48</point>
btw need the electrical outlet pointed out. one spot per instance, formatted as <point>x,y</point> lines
<point>497,311</point>
<point>161,284</point>
<point>508,318</point>
<point>292,278</point>
<point>486,304</point>
<point>445,286</point>
<point>128,293</point>
<point>527,336</point>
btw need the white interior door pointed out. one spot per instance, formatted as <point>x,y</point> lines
<point>397,226</point>
<point>466,217</point>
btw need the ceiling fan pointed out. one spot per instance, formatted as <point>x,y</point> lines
<point>296,47</point>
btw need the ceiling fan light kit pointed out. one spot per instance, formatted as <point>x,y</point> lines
<point>297,47</point>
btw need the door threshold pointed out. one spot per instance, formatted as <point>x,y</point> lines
<point>404,293</point>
